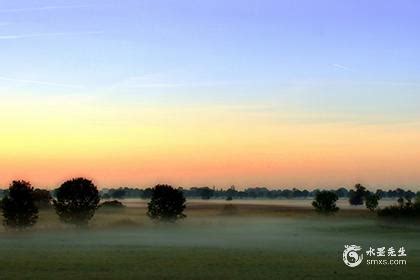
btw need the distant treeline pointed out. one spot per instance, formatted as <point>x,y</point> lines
<point>249,193</point>
<point>233,193</point>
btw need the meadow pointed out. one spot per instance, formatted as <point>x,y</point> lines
<point>217,240</point>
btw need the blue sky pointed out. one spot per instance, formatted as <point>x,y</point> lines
<point>96,44</point>
<point>354,57</point>
<point>316,56</point>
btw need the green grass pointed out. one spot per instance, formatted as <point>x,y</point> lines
<point>269,244</point>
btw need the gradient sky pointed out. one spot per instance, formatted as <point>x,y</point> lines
<point>295,93</point>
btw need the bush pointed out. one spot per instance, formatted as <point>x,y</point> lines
<point>371,201</point>
<point>206,193</point>
<point>325,202</point>
<point>166,204</point>
<point>19,210</point>
<point>112,204</point>
<point>77,201</point>
<point>356,197</point>
<point>404,209</point>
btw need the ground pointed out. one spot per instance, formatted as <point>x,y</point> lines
<point>218,240</point>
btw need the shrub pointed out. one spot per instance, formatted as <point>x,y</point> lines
<point>19,209</point>
<point>325,202</point>
<point>404,209</point>
<point>356,197</point>
<point>206,193</point>
<point>77,201</point>
<point>112,204</point>
<point>371,201</point>
<point>166,204</point>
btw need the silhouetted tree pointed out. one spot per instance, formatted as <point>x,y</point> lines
<point>77,201</point>
<point>206,193</point>
<point>19,209</point>
<point>231,193</point>
<point>356,197</point>
<point>325,202</point>
<point>371,201</point>
<point>166,204</point>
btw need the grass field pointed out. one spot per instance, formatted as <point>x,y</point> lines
<point>244,240</point>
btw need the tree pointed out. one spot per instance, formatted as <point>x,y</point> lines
<point>356,197</point>
<point>166,204</point>
<point>371,201</point>
<point>77,201</point>
<point>325,202</point>
<point>231,193</point>
<point>206,193</point>
<point>19,209</point>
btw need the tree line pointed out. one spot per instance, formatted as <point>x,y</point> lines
<point>407,206</point>
<point>232,192</point>
<point>248,193</point>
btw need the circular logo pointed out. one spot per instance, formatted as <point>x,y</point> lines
<point>351,257</point>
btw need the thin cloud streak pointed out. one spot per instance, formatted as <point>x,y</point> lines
<point>35,35</point>
<point>160,80</point>
<point>44,8</point>
<point>340,66</point>
<point>42,83</point>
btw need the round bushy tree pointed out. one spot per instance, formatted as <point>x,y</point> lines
<point>371,201</point>
<point>166,204</point>
<point>77,201</point>
<point>356,197</point>
<point>325,202</point>
<point>19,209</point>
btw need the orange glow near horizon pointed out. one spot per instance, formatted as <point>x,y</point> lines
<point>215,147</point>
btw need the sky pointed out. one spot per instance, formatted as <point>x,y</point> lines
<point>248,93</point>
